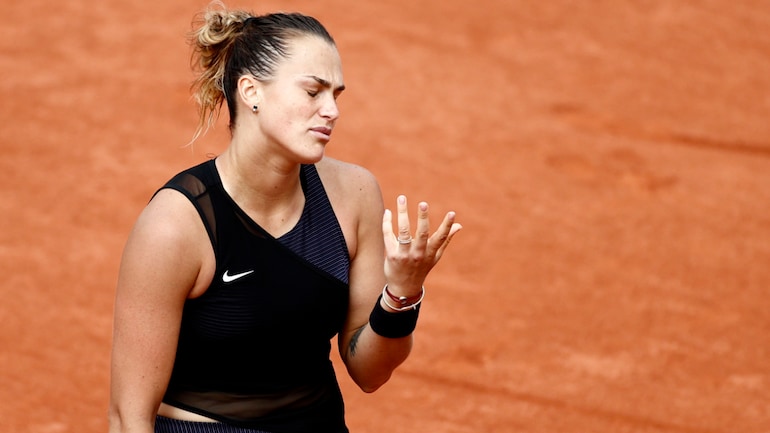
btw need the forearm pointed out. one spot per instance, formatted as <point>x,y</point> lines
<point>130,410</point>
<point>119,424</point>
<point>377,348</point>
<point>372,359</point>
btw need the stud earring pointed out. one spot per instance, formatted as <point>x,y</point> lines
<point>254,109</point>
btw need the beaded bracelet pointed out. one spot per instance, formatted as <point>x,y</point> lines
<point>404,302</point>
<point>393,325</point>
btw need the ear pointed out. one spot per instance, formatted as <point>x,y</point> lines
<point>249,91</point>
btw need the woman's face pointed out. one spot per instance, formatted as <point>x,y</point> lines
<point>298,107</point>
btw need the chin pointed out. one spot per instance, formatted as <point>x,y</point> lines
<point>312,157</point>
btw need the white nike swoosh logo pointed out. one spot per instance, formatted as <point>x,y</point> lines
<point>229,278</point>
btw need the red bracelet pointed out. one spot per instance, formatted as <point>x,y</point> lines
<point>404,303</point>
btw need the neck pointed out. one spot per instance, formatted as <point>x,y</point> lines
<point>269,191</point>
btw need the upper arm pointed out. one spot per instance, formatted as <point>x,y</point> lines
<point>365,209</point>
<point>161,265</point>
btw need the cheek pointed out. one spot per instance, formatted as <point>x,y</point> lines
<point>289,116</point>
<point>288,122</point>
<point>281,114</point>
<point>298,115</point>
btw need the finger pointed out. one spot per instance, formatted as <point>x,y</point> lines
<point>404,231</point>
<point>423,224</point>
<point>439,238</point>
<point>456,227</point>
<point>387,227</point>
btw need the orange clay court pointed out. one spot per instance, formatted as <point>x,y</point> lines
<point>610,162</point>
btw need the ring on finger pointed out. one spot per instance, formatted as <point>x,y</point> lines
<point>405,241</point>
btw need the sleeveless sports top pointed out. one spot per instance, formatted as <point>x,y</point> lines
<point>254,348</point>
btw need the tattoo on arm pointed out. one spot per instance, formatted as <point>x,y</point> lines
<point>354,340</point>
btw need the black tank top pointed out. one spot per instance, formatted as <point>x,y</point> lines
<point>254,348</point>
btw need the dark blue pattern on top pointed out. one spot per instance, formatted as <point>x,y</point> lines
<point>317,237</point>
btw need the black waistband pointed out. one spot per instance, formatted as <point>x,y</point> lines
<point>169,425</point>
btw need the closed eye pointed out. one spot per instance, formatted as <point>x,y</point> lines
<point>324,85</point>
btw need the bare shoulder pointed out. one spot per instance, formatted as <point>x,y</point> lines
<point>169,215</point>
<point>351,178</point>
<point>168,234</point>
<point>350,186</point>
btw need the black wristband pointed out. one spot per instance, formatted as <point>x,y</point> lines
<point>393,325</point>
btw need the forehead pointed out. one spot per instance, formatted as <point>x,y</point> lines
<point>311,55</point>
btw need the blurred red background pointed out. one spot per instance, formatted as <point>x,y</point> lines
<point>610,162</point>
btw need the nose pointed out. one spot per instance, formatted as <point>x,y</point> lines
<point>329,109</point>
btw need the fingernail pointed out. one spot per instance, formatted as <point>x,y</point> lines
<point>401,199</point>
<point>423,206</point>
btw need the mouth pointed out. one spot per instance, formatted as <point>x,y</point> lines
<point>323,132</point>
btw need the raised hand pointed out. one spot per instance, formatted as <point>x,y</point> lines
<point>408,258</point>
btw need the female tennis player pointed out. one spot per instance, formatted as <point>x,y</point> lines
<point>241,270</point>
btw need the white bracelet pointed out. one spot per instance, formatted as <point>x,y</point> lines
<point>413,306</point>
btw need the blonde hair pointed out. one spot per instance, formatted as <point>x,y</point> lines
<point>212,41</point>
<point>230,43</point>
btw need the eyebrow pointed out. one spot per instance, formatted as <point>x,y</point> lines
<point>326,83</point>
